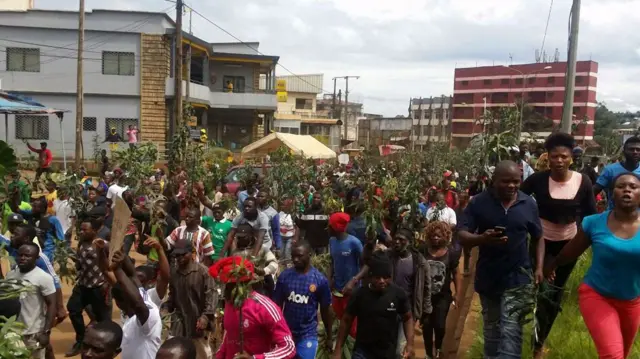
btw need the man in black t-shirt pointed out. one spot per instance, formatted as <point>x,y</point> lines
<point>379,307</point>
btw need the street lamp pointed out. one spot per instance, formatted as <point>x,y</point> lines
<point>524,84</point>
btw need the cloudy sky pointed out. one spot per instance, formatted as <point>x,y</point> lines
<point>409,48</point>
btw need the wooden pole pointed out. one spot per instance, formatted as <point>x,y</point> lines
<point>79,90</point>
<point>178,66</point>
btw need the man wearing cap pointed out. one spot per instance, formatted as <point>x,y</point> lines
<point>192,298</point>
<point>346,260</point>
<point>44,159</point>
<point>264,329</point>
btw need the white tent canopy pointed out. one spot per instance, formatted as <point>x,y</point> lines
<point>304,145</point>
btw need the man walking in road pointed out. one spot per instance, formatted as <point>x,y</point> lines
<point>300,291</point>
<point>44,159</point>
<point>38,306</point>
<point>499,221</point>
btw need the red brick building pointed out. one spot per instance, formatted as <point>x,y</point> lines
<point>543,85</point>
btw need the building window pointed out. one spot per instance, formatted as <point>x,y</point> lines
<point>531,80</point>
<point>487,82</point>
<point>579,79</point>
<point>519,81</point>
<point>118,63</point>
<point>465,83</point>
<point>416,130</point>
<point>121,125</point>
<point>504,81</point>
<point>292,130</point>
<point>304,104</point>
<point>23,59</point>
<point>237,82</point>
<point>89,124</point>
<point>551,80</point>
<point>576,110</point>
<point>30,127</point>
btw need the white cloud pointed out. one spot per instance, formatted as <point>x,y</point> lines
<point>409,48</point>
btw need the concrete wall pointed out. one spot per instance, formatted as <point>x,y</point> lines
<point>100,107</point>
<point>290,106</point>
<point>58,66</point>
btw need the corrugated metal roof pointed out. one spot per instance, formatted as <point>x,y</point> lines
<point>303,83</point>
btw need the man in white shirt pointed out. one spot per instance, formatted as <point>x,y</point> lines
<point>441,212</point>
<point>38,306</point>
<point>63,209</point>
<point>114,188</point>
<point>143,328</point>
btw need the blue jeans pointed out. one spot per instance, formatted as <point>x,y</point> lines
<point>307,348</point>
<point>285,252</point>
<point>502,330</point>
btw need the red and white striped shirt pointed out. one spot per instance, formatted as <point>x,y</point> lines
<point>201,240</point>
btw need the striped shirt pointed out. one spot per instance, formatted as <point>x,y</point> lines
<point>201,239</point>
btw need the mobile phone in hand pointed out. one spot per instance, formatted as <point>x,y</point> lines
<point>500,229</point>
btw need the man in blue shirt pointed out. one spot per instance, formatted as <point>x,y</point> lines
<point>498,222</point>
<point>631,151</point>
<point>299,291</point>
<point>251,191</point>
<point>48,228</point>
<point>346,262</point>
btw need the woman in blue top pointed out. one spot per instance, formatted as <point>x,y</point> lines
<point>609,297</point>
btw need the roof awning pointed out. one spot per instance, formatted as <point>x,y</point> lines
<point>320,121</point>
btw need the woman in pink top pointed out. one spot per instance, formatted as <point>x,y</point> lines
<point>564,197</point>
<point>264,329</point>
<point>132,134</point>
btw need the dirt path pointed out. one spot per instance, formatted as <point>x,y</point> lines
<point>470,327</point>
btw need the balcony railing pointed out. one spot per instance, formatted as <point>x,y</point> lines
<point>249,100</point>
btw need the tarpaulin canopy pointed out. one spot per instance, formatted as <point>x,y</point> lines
<point>304,145</point>
<point>14,104</point>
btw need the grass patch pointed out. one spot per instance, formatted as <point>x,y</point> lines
<point>569,337</point>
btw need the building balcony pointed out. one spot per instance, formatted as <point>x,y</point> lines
<point>257,100</point>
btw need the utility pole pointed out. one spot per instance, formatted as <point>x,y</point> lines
<point>178,65</point>
<point>188,62</point>
<point>79,89</point>
<point>570,78</point>
<point>333,104</point>
<point>346,100</point>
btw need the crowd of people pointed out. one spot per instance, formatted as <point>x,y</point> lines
<point>531,217</point>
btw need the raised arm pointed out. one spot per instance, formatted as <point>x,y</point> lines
<point>129,289</point>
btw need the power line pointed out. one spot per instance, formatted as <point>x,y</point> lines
<point>254,49</point>
<point>544,37</point>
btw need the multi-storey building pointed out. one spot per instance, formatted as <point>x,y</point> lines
<point>128,78</point>
<point>298,115</point>
<point>431,120</point>
<point>542,85</point>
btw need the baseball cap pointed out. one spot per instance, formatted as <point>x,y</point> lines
<point>99,211</point>
<point>15,218</point>
<point>182,247</point>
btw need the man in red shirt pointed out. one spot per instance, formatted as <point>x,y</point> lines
<point>264,330</point>
<point>44,159</point>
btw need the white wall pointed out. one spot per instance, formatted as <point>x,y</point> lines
<point>100,107</point>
